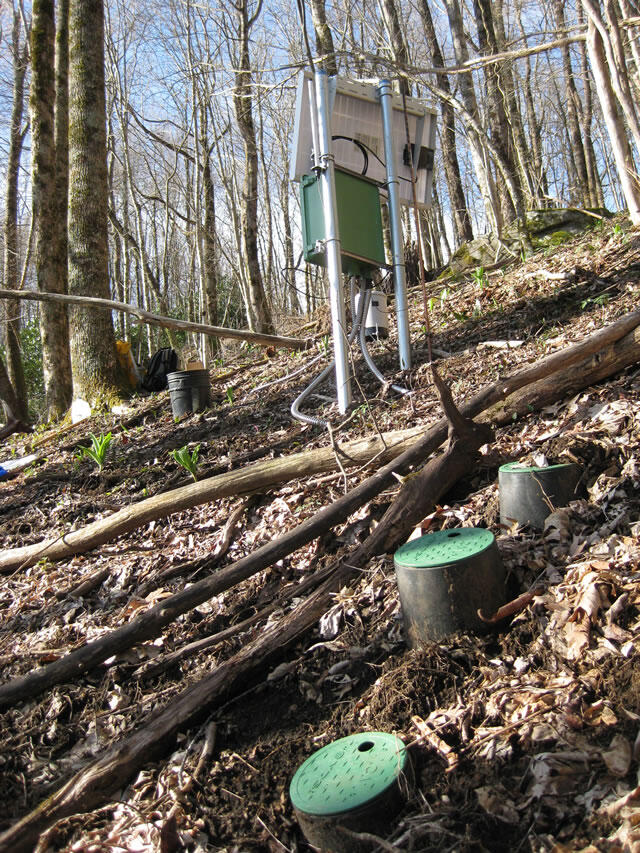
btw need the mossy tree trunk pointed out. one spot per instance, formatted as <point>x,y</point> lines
<point>54,329</point>
<point>93,351</point>
<point>63,391</point>
<point>11,247</point>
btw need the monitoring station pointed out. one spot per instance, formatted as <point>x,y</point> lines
<point>356,144</point>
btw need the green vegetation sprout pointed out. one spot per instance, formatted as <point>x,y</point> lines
<point>98,449</point>
<point>188,460</point>
<point>480,277</point>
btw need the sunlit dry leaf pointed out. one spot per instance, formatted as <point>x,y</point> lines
<point>496,802</point>
<point>618,757</point>
<point>577,634</point>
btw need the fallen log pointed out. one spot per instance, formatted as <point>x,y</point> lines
<point>158,319</point>
<point>150,623</point>
<point>91,786</point>
<point>252,478</point>
<point>616,338</point>
<point>607,361</point>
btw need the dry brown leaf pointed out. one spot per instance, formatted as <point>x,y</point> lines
<point>618,757</point>
<point>577,634</point>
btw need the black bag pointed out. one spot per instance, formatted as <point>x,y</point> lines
<point>163,361</point>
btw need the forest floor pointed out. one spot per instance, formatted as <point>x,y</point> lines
<point>533,729</point>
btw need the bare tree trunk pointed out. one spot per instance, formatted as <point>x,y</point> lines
<point>497,114</point>
<point>268,251</point>
<point>537,174</point>
<point>291,292</point>
<point>615,125</point>
<point>399,48</point>
<point>20,60</point>
<point>93,351</point>
<point>596,195</point>
<point>468,97</point>
<point>617,61</point>
<point>521,152</point>
<point>259,311</point>
<point>210,255</point>
<point>324,39</point>
<point>582,196</point>
<point>634,47</point>
<point>461,219</point>
<point>7,395</point>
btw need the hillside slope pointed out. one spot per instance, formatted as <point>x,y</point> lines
<point>523,738</point>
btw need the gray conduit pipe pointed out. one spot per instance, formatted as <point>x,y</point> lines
<point>295,406</point>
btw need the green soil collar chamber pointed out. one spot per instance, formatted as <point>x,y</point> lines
<point>530,493</point>
<point>353,785</point>
<point>444,579</point>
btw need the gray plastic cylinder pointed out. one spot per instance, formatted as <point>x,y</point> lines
<point>189,391</point>
<point>376,322</point>
<point>528,494</point>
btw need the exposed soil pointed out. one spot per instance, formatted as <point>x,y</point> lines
<point>522,738</point>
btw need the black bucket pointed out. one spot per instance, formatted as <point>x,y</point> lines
<point>444,578</point>
<point>528,494</point>
<point>189,391</point>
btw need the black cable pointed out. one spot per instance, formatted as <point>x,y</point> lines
<point>367,148</point>
<point>303,22</point>
<point>361,146</point>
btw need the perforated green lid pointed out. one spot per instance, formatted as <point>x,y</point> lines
<point>348,773</point>
<point>444,547</point>
<point>515,467</point>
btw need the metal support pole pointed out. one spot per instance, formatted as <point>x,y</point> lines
<point>397,250</point>
<point>326,176</point>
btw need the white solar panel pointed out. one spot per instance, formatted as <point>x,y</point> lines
<point>357,115</point>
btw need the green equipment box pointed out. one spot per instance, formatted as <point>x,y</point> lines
<point>359,222</point>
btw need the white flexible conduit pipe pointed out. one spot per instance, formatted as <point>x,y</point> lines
<point>359,330</point>
<point>366,298</point>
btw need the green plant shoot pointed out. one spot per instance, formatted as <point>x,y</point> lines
<point>188,460</point>
<point>480,277</point>
<point>98,449</point>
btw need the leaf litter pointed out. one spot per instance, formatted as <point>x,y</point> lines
<point>525,737</point>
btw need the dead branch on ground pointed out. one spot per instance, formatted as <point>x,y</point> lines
<point>158,319</point>
<point>602,354</point>
<point>252,478</point>
<point>417,496</point>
